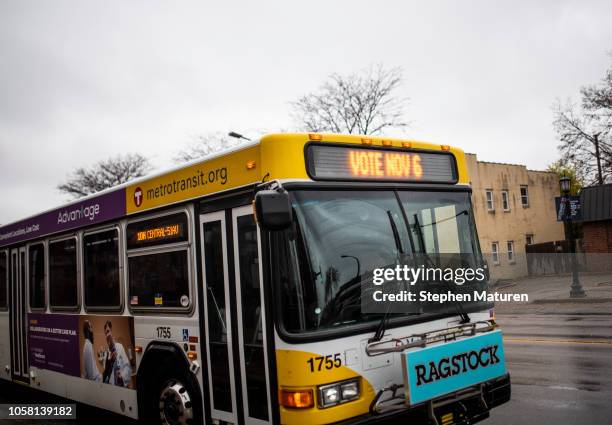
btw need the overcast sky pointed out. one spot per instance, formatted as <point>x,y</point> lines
<point>81,81</point>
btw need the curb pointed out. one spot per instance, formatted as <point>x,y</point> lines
<point>552,313</point>
<point>572,301</point>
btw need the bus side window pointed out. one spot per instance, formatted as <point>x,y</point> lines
<point>101,269</point>
<point>159,279</point>
<point>63,292</point>
<point>36,267</point>
<point>3,280</point>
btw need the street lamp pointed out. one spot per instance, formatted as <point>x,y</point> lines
<point>565,184</point>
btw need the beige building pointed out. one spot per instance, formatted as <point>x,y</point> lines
<point>513,207</point>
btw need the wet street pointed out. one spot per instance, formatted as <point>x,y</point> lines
<point>561,367</point>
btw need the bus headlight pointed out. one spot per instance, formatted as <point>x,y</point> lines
<point>330,395</point>
<point>349,391</point>
<point>340,392</point>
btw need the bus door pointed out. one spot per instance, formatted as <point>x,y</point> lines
<point>18,317</point>
<point>235,326</point>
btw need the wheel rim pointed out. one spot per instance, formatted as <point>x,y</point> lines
<point>175,404</point>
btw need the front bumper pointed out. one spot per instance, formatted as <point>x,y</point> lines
<point>467,410</point>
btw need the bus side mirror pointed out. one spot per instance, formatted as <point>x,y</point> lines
<point>273,209</point>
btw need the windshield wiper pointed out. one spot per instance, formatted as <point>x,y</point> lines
<point>465,318</point>
<point>396,236</point>
<point>382,325</point>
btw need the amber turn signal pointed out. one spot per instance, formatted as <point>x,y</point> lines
<point>296,399</point>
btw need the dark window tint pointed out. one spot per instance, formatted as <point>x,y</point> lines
<point>63,273</point>
<point>3,279</point>
<point>159,280</point>
<point>251,318</point>
<point>157,231</point>
<point>36,258</point>
<point>217,326</point>
<point>101,269</point>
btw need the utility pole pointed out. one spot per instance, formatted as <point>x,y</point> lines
<point>598,157</point>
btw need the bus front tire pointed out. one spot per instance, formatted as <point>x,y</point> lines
<point>172,398</point>
<point>176,406</point>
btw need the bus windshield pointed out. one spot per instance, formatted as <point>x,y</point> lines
<point>340,237</point>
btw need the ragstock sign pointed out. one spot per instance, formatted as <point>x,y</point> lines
<point>82,213</point>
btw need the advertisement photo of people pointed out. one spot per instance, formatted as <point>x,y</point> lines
<point>107,349</point>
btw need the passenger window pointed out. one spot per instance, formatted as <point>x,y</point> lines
<point>101,269</point>
<point>63,291</point>
<point>3,280</point>
<point>36,266</point>
<point>159,279</point>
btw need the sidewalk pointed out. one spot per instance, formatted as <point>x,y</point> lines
<point>550,295</point>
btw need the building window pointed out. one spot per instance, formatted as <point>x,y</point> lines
<point>511,251</point>
<point>529,239</point>
<point>505,200</point>
<point>495,252</point>
<point>490,204</point>
<point>524,196</point>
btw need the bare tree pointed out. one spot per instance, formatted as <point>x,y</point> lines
<point>597,100</point>
<point>585,143</point>
<point>204,145</point>
<point>585,132</point>
<point>105,174</point>
<point>365,103</point>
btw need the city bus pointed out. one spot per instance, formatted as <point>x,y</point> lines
<point>231,290</point>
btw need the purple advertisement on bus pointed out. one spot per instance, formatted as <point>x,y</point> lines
<point>83,213</point>
<point>95,347</point>
<point>53,342</point>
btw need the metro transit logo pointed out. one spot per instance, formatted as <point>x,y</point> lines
<point>138,196</point>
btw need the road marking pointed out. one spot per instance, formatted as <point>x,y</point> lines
<point>562,387</point>
<point>560,341</point>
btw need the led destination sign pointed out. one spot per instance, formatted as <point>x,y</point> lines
<point>354,163</point>
<point>158,233</point>
<point>161,230</point>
